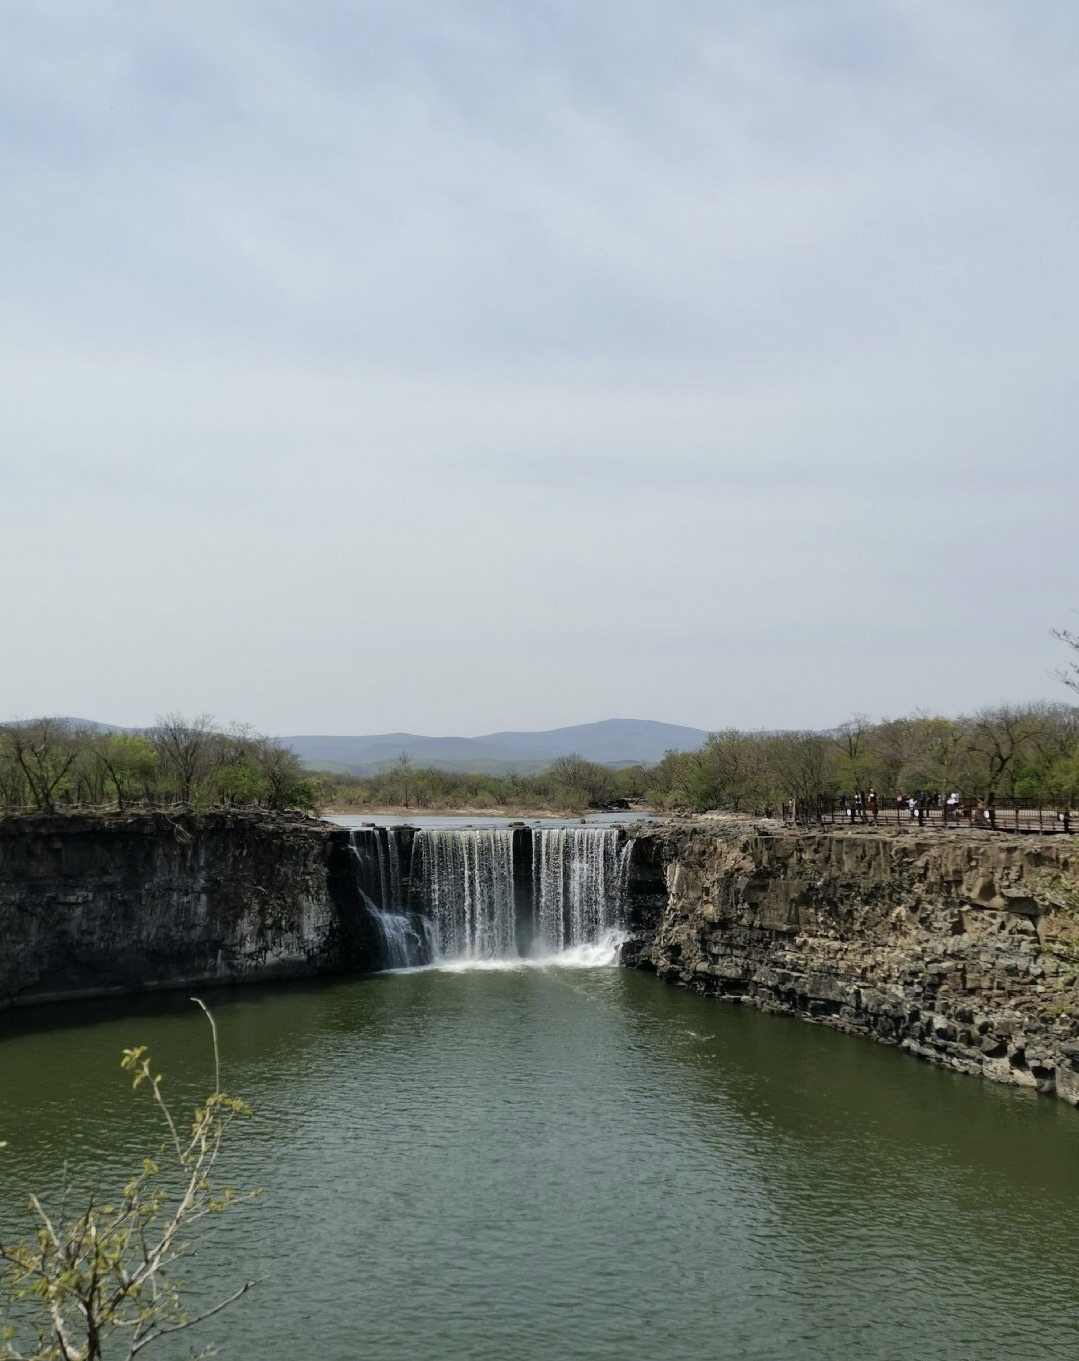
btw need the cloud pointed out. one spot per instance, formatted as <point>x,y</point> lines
<point>673,342</point>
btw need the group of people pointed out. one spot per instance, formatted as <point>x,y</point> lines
<point>864,806</point>
<point>924,807</point>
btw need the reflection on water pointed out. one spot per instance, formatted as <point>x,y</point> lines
<point>540,1162</point>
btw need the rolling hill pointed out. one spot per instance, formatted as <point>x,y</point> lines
<point>613,742</point>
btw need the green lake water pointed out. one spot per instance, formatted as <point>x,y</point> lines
<point>539,1164</point>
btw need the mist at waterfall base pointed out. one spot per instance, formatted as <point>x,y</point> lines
<point>494,897</point>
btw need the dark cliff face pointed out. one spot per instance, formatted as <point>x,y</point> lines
<point>97,903</point>
<point>962,949</point>
<point>646,894</point>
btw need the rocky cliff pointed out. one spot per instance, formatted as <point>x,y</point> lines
<point>99,903</point>
<point>961,947</point>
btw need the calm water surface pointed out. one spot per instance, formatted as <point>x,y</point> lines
<point>536,1164</point>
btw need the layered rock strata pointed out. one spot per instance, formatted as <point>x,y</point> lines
<point>962,948</point>
<point>91,904</point>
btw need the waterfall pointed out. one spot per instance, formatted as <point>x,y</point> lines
<point>406,936</point>
<point>579,877</point>
<point>407,939</point>
<point>467,889</point>
<point>498,897</point>
<point>504,895</point>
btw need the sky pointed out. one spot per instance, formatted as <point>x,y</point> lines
<point>449,366</point>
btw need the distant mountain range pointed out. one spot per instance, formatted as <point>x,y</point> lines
<point>613,742</point>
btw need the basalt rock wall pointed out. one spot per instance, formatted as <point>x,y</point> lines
<point>91,904</point>
<point>961,947</point>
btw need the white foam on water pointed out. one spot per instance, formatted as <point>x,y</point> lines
<point>598,954</point>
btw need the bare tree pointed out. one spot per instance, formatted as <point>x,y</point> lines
<point>856,758</point>
<point>102,1284</point>
<point>1000,736</point>
<point>944,744</point>
<point>805,764</point>
<point>44,751</point>
<point>594,781</point>
<point>895,744</point>
<point>182,748</point>
<point>1070,674</point>
<point>279,767</point>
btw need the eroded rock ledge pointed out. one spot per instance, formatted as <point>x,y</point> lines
<point>963,949</point>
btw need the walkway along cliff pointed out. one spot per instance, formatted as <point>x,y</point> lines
<point>961,947</point>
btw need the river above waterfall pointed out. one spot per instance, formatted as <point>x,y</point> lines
<point>540,1164</point>
<point>479,820</point>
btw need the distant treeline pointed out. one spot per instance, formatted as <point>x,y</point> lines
<point>1024,751</point>
<point>570,784</point>
<point>50,764</point>
<point>1019,751</point>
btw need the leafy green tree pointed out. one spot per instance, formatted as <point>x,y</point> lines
<point>307,794</point>
<point>732,772</point>
<point>239,782</point>
<point>939,755</point>
<point>281,770</point>
<point>630,782</point>
<point>128,763</point>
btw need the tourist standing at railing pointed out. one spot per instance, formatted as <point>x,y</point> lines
<point>873,805</point>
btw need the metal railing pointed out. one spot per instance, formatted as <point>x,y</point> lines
<point>999,815</point>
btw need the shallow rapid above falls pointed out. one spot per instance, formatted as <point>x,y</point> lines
<point>495,896</point>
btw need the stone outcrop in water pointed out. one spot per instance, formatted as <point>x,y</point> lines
<point>963,949</point>
<point>100,903</point>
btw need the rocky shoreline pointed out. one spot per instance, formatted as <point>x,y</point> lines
<point>962,949</point>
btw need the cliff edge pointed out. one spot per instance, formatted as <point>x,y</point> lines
<point>961,949</point>
<point>99,903</point>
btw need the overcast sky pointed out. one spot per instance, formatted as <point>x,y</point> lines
<point>456,365</point>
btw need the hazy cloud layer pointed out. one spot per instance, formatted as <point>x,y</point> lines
<point>457,366</point>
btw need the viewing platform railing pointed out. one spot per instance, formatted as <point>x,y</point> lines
<point>1001,815</point>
